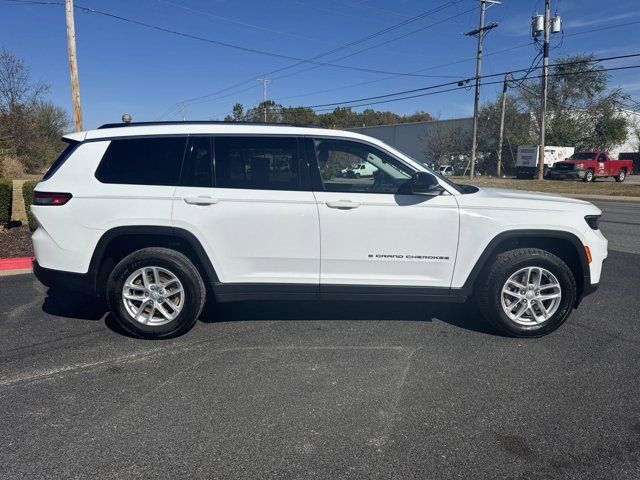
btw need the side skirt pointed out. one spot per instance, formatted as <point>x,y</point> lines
<point>233,292</point>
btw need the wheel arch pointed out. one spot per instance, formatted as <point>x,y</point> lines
<point>117,243</point>
<point>565,245</point>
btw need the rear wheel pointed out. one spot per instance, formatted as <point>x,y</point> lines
<point>155,293</point>
<point>621,176</point>
<point>527,292</point>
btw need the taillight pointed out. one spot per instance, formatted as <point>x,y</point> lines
<point>48,198</point>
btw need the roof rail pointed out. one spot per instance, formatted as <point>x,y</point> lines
<point>201,122</point>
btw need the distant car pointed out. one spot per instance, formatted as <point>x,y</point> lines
<point>446,170</point>
<point>359,170</point>
<point>586,166</point>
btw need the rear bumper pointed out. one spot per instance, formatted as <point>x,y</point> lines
<point>59,279</point>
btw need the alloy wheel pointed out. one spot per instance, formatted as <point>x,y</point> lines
<point>531,296</point>
<point>153,296</point>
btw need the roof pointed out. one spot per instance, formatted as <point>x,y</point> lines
<point>203,128</point>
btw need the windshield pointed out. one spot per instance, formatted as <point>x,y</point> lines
<point>582,156</point>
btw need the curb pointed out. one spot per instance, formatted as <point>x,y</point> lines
<point>15,266</point>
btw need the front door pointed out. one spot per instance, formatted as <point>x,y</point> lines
<point>253,212</point>
<point>603,166</point>
<point>370,234</point>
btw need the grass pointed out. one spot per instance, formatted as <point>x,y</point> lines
<point>570,187</point>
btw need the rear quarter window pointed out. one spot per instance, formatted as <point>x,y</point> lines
<point>143,161</point>
<point>55,166</point>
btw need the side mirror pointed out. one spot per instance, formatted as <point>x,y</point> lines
<point>421,183</point>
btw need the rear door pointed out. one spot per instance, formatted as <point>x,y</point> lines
<point>247,199</point>
<point>373,236</point>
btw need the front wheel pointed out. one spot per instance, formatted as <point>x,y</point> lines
<point>155,293</point>
<point>527,292</point>
<point>589,177</point>
<point>621,176</point>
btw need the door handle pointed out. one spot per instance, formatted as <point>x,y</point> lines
<point>343,204</point>
<point>201,200</point>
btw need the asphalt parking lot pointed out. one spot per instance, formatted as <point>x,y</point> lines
<point>339,390</point>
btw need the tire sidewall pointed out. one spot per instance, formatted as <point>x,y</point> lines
<point>567,284</point>
<point>185,319</point>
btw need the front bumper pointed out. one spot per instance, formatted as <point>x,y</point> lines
<point>566,174</point>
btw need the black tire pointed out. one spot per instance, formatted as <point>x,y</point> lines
<point>357,175</point>
<point>621,176</point>
<point>489,291</point>
<point>181,267</point>
<point>589,176</point>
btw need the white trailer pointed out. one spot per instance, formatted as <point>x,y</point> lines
<point>527,160</point>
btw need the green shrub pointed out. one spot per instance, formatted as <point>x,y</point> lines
<point>6,189</point>
<point>27,194</point>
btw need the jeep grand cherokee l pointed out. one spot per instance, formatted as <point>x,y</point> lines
<point>157,217</point>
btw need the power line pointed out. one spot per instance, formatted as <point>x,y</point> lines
<point>387,42</point>
<point>442,65</point>
<point>224,44</point>
<point>334,50</point>
<point>461,85</point>
<point>239,22</point>
<point>206,98</point>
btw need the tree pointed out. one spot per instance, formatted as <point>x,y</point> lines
<point>582,112</point>
<point>446,143</point>
<point>30,126</point>
<point>517,131</point>
<point>340,117</point>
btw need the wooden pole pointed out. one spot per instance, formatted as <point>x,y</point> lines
<point>73,66</point>
<point>504,104</point>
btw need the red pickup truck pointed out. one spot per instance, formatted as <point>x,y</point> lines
<point>588,166</point>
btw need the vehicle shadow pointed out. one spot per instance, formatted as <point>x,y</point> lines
<point>63,303</point>
<point>74,305</point>
<point>463,316</point>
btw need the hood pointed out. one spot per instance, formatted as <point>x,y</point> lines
<point>522,199</point>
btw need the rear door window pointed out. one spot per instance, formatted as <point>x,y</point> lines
<point>143,161</point>
<point>262,163</point>
<point>198,163</point>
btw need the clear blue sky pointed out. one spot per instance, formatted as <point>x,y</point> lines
<point>130,68</point>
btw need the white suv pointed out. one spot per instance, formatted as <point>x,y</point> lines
<point>158,217</point>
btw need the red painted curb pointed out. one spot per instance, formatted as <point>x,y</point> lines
<point>16,263</point>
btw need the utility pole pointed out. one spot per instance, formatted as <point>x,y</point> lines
<point>183,110</point>
<point>543,106</point>
<point>480,33</point>
<point>501,136</point>
<point>73,65</point>
<point>264,81</point>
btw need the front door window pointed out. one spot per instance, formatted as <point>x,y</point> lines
<point>347,166</point>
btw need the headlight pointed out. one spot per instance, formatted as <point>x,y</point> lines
<point>593,221</point>
<point>581,166</point>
